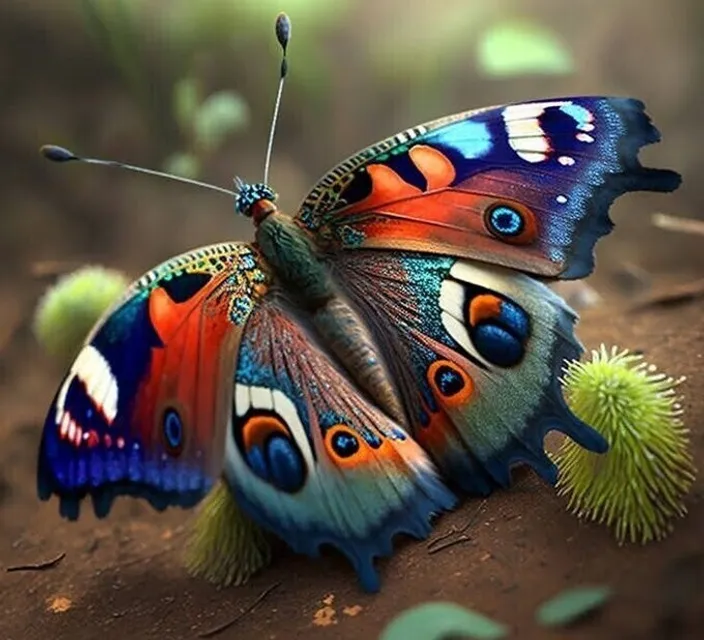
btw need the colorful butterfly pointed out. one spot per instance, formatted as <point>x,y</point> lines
<point>393,336</point>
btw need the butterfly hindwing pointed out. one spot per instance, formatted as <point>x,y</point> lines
<point>143,408</point>
<point>312,460</point>
<point>476,352</point>
<point>527,186</point>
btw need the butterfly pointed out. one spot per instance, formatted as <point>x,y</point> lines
<point>363,363</point>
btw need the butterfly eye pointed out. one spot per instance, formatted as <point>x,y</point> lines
<point>450,383</point>
<point>511,223</point>
<point>173,432</point>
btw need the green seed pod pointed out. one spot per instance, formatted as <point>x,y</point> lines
<point>68,310</point>
<point>225,547</point>
<point>637,487</point>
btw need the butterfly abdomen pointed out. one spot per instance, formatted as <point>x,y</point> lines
<point>345,335</point>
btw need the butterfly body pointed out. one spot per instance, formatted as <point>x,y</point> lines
<point>390,345</point>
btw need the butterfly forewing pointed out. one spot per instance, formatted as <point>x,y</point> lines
<point>527,185</point>
<point>144,406</point>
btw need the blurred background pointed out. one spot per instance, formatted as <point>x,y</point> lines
<point>188,86</point>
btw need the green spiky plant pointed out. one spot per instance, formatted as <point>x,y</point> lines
<point>637,488</point>
<point>225,547</point>
<point>68,309</point>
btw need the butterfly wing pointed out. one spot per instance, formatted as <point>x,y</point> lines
<point>526,186</point>
<point>310,459</point>
<point>476,352</point>
<point>144,406</point>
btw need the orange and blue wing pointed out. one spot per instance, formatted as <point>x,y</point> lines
<point>476,352</point>
<point>312,460</point>
<point>526,186</point>
<point>142,410</point>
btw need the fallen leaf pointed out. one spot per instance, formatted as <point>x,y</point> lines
<point>439,620</point>
<point>571,605</point>
<point>328,600</point>
<point>59,604</point>
<point>324,617</point>
<point>352,611</point>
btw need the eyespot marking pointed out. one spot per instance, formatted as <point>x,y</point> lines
<point>173,431</point>
<point>511,223</point>
<point>450,384</point>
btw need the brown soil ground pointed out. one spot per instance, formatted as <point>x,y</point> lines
<point>123,577</point>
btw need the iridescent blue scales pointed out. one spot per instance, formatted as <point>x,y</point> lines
<point>368,360</point>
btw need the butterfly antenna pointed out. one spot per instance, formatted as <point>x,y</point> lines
<point>59,154</point>
<point>283,35</point>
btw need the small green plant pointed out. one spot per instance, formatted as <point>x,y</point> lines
<point>572,605</point>
<point>520,47</point>
<point>225,547</point>
<point>638,486</point>
<point>68,310</point>
<point>439,620</point>
<point>204,122</point>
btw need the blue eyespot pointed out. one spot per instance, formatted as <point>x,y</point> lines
<point>285,465</point>
<point>505,221</point>
<point>173,431</point>
<point>497,345</point>
<point>448,381</point>
<point>344,444</point>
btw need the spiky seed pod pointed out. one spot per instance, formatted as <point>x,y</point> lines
<point>68,309</point>
<point>225,547</point>
<point>638,486</point>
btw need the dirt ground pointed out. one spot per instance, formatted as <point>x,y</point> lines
<point>123,577</point>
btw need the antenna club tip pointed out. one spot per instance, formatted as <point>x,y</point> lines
<point>283,30</point>
<point>57,154</point>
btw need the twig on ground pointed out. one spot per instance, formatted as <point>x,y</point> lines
<point>673,295</point>
<point>676,223</point>
<point>40,566</point>
<point>449,543</point>
<point>453,530</point>
<point>242,613</point>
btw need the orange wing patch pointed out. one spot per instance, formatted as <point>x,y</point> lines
<point>389,187</point>
<point>484,307</point>
<point>439,172</point>
<point>186,373</point>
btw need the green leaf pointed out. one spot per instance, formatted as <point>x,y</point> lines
<point>182,164</point>
<point>220,115</point>
<point>440,620</point>
<point>522,48</point>
<point>571,605</point>
<point>185,103</point>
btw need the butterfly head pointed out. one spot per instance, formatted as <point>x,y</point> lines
<point>254,201</point>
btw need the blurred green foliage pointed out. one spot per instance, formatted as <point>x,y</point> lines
<point>439,620</point>
<point>427,47</point>
<point>572,605</point>
<point>515,48</point>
